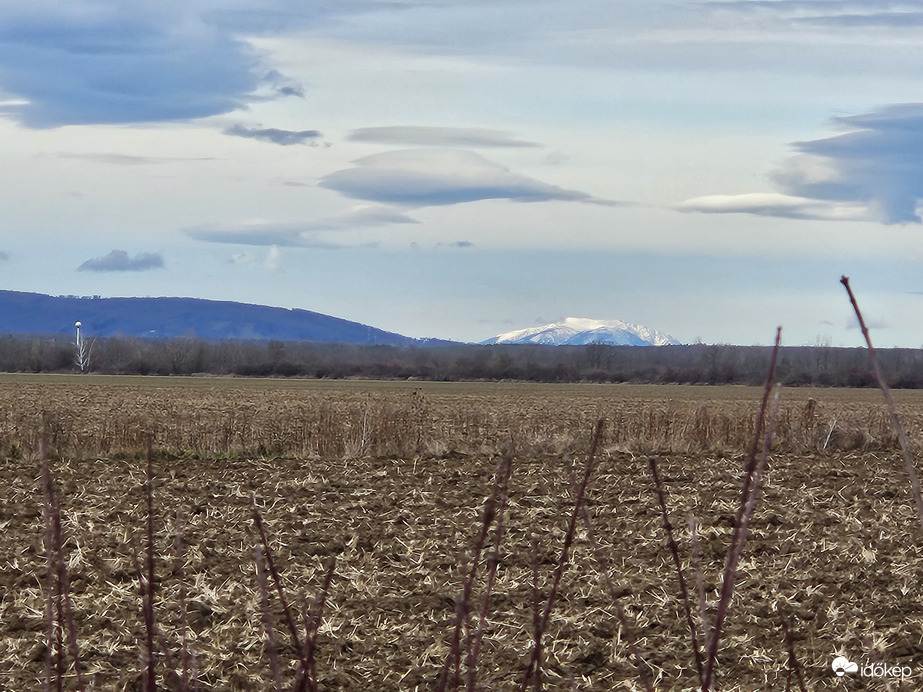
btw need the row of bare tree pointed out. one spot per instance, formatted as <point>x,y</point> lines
<point>694,364</point>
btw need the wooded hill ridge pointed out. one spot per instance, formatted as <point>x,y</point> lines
<point>170,318</point>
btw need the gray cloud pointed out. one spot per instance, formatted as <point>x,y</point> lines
<point>878,162</point>
<point>297,234</point>
<point>119,261</point>
<point>411,135</point>
<point>282,85</point>
<point>4,256</point>
<point>271,134</point>
<point>430,177</point>
<point>85,63</point>
<point>264,234</point>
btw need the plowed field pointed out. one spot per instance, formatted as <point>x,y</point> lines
<point>391,480</point>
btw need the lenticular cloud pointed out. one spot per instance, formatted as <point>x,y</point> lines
<point>877,162</point>
<point>429,177</point>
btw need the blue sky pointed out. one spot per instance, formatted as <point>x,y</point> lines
<point>461,168</point>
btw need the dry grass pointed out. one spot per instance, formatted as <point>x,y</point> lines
<point>391,480</point>
<point>226,417</point>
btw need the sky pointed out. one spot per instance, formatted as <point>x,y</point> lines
<point>461,168</point>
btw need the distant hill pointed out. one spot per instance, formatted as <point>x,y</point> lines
<point>578,331</point>
<point>35,313</point>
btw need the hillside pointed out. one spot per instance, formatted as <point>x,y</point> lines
<point>35,313</point>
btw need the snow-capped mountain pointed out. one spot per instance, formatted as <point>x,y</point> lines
<point>577,331</point>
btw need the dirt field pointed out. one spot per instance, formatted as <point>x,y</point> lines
<point>391,479</point>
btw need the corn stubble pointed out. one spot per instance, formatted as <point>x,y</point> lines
<point>296,539</point>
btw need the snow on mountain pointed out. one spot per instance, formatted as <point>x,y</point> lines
<point>577,331</point>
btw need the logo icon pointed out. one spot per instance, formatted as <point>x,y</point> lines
<point>842,665</point>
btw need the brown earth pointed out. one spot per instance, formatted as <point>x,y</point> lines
<point>835,544</point>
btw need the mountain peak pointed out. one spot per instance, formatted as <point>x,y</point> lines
<point>576,331</point>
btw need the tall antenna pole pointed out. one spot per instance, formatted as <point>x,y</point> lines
<point>83,356</point>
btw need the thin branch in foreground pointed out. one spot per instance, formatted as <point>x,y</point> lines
<point>562,560</point>
<point>313,622</point>
<point>704,626</point>
<point>59,606</point>
<point>272,648</point>
<point>187,660</point>
<point>736,549</point>
<point>892,409</point>
<point>749,495</point>
<point>148,593</point>
<point>793,666</point>
<point>493,562</point>
<point>277,581</point>
<point>677,564</point>
<point>627,631</point>
<point>536,611</point>
<point>463,603</point>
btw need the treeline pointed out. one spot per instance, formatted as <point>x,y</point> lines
<point>694,364</point>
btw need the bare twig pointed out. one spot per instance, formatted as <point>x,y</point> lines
<point>277,581</point>
<point>474,648</point>
<point>178,569</point>
<point>627,631</point>
<point>148,593</point>
<point>892,409</point>
<point>462,604</point>
<point>271,647</point>
<point>314,620</point>
<point>704,626</point>
<point>562,560</point>
<point>674,551</point>
<point>749,495</point>
<point>536,611</point>
<point>793,665</point>
<point>736,549</point>
<point>59,607</point>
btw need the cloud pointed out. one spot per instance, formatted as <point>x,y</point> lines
<point>897,20</point>
<point>4,257</point>
<point>251,233</point>
<point>129,160</point>
<point>273,261</point>
<point>409,135</point>
<point>430,177</point>
<point>282,85</point>
<point>774,204</point>
<point>298,234</point>
<point>877,162</point>
<point>85,62</point>
<point>873,171</point>
<point>457,245</point>
<point>281,137</point>
<point>119,261</point>
<point>241,258</point>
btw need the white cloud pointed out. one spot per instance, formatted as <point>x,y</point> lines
<point>775,204</point>
<point>273,261</point>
